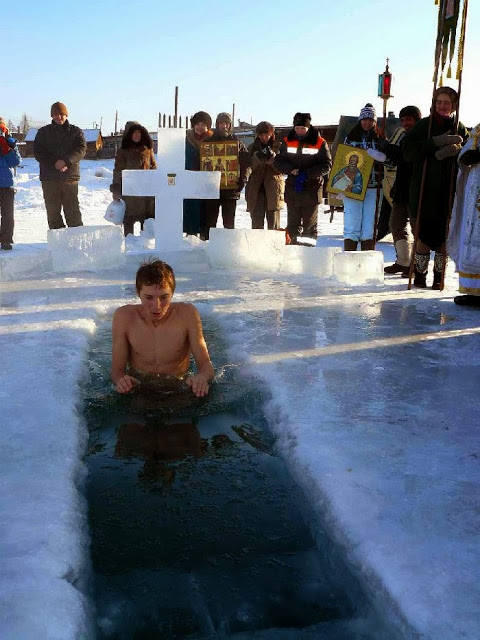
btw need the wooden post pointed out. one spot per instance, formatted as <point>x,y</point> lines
<point>115,132</point>
<point>233,117</point>
<point>159,119</point>
<point>164,120</point>
<point>176,108</point>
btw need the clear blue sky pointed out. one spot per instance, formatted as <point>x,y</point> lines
<point>270,58</point>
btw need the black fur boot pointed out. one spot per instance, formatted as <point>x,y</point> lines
<point>421,268</point>
<point>437,270</point>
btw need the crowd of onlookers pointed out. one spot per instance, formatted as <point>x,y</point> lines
<point>414,171</point>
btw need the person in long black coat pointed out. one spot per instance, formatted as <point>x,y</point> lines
<point>440,149</point>
<point>194,212</point>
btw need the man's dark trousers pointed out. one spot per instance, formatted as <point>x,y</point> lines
<point>6,211</point>
<point>57,194</point>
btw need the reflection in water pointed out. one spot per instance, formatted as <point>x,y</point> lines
<point>156,443</point>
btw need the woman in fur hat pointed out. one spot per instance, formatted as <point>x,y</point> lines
<point>359,215</point>
<point>194,210</point>
<point>136,152</point>
<point>440,149</point>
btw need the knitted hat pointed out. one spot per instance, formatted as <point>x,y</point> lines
<point>302,119</point>
<point>368,111</point>
<point>201,116</point>
<point>223,116</point>
<point>264,127</point>
<point>410,111</point>
<point>58,109</point>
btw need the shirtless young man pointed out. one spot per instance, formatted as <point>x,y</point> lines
<point>158,335</point>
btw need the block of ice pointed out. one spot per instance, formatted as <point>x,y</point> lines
<point>314,261</point>
<point>358,267</point>
<point>24,261</point>
<point>181,261</point>
<point>92,248</point>
<point>254,249</point>
<point>148,230</point>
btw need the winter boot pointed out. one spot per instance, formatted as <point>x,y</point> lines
<point>402,263</point>
<point>367,245</point>
<point>421,268</point>
<point>437,270</point>
<point>394,268</point>
<point>349,245</point>
<point>467,300</point>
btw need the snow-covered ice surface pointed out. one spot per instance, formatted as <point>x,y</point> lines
<point>374,403</point>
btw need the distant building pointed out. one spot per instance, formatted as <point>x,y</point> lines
<point>92,136</point>
<point>29,140</point>
<point>94,143</point>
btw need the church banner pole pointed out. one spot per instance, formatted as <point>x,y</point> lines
<point>384,89</point>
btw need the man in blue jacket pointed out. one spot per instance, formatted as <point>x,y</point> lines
<point>9,159</point>
<point>59,147</point>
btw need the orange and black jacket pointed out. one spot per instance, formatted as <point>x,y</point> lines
<point>309,154</point>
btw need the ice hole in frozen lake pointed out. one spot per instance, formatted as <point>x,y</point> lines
<point>197,528</point>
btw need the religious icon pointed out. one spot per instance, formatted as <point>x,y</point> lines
<point>171,179</point>
<point>225,160</point>
<point>350,172</point>
<point>207,164</point>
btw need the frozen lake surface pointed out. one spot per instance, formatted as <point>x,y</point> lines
<point>372,398</point>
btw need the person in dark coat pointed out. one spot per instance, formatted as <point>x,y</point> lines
<point>194,212</point>
<point>305,158</point>
<point>136,152</point>
<point>58,148</point>
<point>440,149</point>
<point>400,214</point>
<point>228,197</point>
<point>265,186</point>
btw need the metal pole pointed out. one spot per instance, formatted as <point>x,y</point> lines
<point>379,173</point>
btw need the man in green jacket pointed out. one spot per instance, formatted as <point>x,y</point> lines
<point>59,147</point>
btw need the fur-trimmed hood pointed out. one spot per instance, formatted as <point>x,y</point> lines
<point>145,141</point>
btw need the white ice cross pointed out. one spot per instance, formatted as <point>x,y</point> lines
<point>171,183</point>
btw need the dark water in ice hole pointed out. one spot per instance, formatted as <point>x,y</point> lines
<point>197,528</point>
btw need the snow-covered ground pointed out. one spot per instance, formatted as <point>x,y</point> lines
<point>374,402</point>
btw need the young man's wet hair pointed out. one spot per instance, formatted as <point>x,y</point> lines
<point>155,272</point>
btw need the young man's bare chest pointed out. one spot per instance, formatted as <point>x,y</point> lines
<point>162,347</point>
